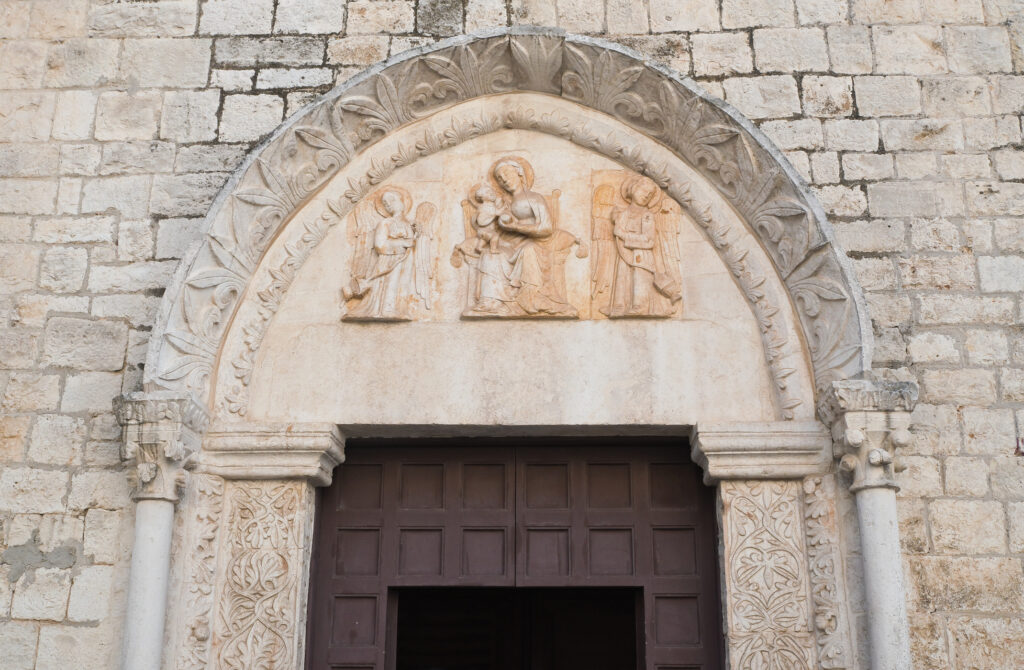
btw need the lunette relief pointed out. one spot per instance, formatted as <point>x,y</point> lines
<point>514,248</point>
<point>392,264</point>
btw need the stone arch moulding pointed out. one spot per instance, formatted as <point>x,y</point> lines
<point>237,579</point>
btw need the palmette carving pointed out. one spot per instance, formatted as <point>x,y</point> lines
<point>514,248</point>
<point>825,567</point>
<point>257,614</point>
<point>765,572</point>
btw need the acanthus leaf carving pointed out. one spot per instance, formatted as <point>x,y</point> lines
<point>208,503</point>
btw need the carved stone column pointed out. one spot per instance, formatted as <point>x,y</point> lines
<point>781,562</point>
<point>161,432</point>
<point>870,420</point>
<point>265,538</point>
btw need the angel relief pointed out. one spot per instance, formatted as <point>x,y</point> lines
<point>515,250</point>
<point>635,269</point>
<point>392,261</point>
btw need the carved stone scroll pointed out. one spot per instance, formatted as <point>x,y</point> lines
<point>261,605</point>
<point>768,610</point>
<point>207,504</point>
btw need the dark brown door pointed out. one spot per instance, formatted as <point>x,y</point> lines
<point>533,514</point>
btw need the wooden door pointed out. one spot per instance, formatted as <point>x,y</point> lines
<point>525,513</point>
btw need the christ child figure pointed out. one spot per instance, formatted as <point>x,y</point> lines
<point>490,209</point>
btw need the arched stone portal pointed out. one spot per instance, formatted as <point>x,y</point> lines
<point>512,234</point>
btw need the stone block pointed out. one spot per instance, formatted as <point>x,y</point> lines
<point>79,159</point>
<point>1009,164</point>
<point>1007,477</point>
<point>902,198</point>
<point>756,13</point>
<point>799,134</point>
<point>63,269</point>
<point>953,11</point>
<point>130,278</point>
<point>190,116</point>
<point>920,477</point>
<point>368,17</point>
<point>74,114</point>
<point>684,15</point>
<point>922,134</point>
<point>145,62</point>
<point>969,386</point>
<point>978,49</point>
<point>967,166</point>
<point>74,229</point>
<point>18,266</point>
<point>790,50</point>
<point>209,158</point>
<point>128,196</point>
<point>821,11</point>
<point>989,198</point>
<point>269,78</point>
<point>908,50</point>
<point>135,240</point>
<point>1007,94</point>
<point>851,135</point>
<point>889,310</point>
<point>14,18</point>
<point>32,491</point>
<point>827,96</point>
<point>43,596</point>
<point>81,344</point>
<point>58,20</point>
<point>849,49</point>
<point>27,196</point>
<point>310,16</point>
<point>966,476</point>
<point>137,157</point>
<point>90,392</point>
<point>481,14</point>
<point>13,435</point>
<point>445,17</point>
<point>27,116</point>
<point>533,12</point>
<point>91,647</point>
<point>185,194</point>
<point>31,309</point>
<point>358,50</point>
<point>98,489</point>
<point>578,16</point>
<point>867,167</point>
<point>163,18</point>
<point>248,117</point>
<point>621,16</point>
<point>719,54</point>
<point>19,348</point>
<point>1000,274</point>
<point>931,347</point>
<point>102,535</point>
<point>82,63</point>
<point>19,639</point>
<point>825,167</point>
<point>967,526</point>
<point>913,526</point>
<point>937,272</point>
<point>56,439</point>
<point>917,165</point>
<point>232,80</point>
<point>128,116</point>
<point>842,200</point>
<point>30,392</point>
<point>951,584</point>
<point>956,96</point>
<point>174,236</point>
<point>15,228</point>
<point>284,51</point>
<point>22,63</point>
<point>988,133</point>
<point>987,347</point>
<point>69,195</point>
<point>1016,516</point>
<point>90,594</point>
<point>978,235</point>
<point>935,235</point>
<point>988,432</point>
<point>763,97</point>
<point>950,310</point>
<point>236,17</point>
<point>886,11</point>
<point>878,236</point>
<point>983,643</point>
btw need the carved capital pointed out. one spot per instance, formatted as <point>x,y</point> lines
<point>869,421</point>
<point>162,430</point>
<point>273,451</point>
<point>773,450</point>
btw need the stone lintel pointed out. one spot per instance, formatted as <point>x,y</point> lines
<point>273,451</point>
<point>772,450</point>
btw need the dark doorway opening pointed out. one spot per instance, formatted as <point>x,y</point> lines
<point>518,629</point>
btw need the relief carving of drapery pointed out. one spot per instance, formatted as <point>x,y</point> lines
<point>303,157</point>
<point>766,572</point>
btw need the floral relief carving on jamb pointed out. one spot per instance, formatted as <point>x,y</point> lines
<point>207,493</point>
<point>297,163</point>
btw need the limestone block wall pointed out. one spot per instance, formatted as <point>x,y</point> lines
<point>119,121</point>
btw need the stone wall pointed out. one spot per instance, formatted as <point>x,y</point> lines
<point>119,121</point>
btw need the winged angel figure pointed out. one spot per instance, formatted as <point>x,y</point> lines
<point>392,261</point>
<point>636,266</point>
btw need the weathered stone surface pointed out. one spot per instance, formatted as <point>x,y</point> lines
<point>236,17</point>
<point>921,476</point>
<point>827,96</point>
<point>755,13</point>
<point>849,49</point>
<point>56,439</point>
<point>381,16</point>
<point>683,15</point>
<point>967,526</point>
<point>82,344</point>
<point>90,391</point>
<point>965,583</point>
<point>987,643</point>
<point>163,18</point>
<point>31,392</point>
<point>32,491</point>
<point>977,49</point>
<point>127,278</point>
<point>92,648</point>
<point>790,50</point>
<point>248,117</point>
<point>851,135</point>
<point>721,54</point>
<point>102,533</point>
<point>988,431</point>
<point>98,489</point>
<point>310,16</point>
<point>968,386</point>
<point>933,348</point>
<point>966,476</point>
<point>18,639</point>
<point>269,78</point>
<point>90,594</point>
<point>986,347</point>
<point>1001,273</point>
<point>908,50</point>
<point>43,595</point>
<point>941,310</point>
<point>190,116</point>
<point>763,97</point>
<point>144,62</point>
<point>63,269</point>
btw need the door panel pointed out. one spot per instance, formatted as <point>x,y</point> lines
<point>530,513</point>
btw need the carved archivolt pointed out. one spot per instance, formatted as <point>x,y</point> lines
<point>304,156</point>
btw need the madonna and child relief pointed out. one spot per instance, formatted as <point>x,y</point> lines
<point>518,250</point>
